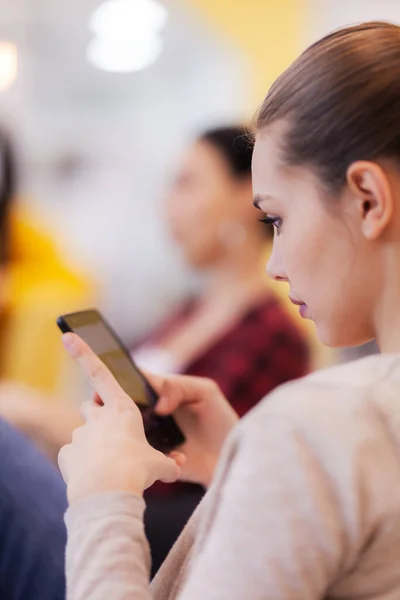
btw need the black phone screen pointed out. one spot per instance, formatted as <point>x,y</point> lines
<point>90,326</point>
<point>162,432</point>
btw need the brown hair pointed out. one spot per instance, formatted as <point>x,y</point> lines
<point>341,101</point>
<point>235,147</point>
<point>8,176</point>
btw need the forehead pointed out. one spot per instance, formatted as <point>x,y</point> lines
<point>271,177</point>
<point>269,174</point>
<point>203,156</point>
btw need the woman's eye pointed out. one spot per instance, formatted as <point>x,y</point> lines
<point>273,220</point>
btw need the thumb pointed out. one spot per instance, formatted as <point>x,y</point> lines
<point>166,405</point>
<point>178,457</point>
<point>171,392</point>
<point>168,468</point>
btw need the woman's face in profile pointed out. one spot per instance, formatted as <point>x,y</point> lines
<point>318,247</point>
<point>204,194</point>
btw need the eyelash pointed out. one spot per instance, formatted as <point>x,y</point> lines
<point>275,221</point>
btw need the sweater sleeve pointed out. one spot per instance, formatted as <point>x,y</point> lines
<point>107,551</point>
<point>294,512</point>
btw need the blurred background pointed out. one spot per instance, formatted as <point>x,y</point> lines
<point>101,100</point>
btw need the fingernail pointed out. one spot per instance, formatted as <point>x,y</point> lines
<point>68,340</point>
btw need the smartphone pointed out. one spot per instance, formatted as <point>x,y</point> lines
<point>162,432</point>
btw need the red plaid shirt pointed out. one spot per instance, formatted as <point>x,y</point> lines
<point>259,353</point>
<point>264,350</point>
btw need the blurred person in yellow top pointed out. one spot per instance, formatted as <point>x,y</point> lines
<point>36,285</point>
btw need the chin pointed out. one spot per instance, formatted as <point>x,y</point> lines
<point>342,337</point>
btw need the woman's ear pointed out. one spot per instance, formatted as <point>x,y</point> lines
<point>372,191</point>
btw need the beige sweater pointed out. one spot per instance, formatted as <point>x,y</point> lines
<point>305,505</point>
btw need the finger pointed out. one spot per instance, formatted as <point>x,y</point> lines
<point>63,461</point>
<point>164,405</point>
<point>178,457</point>
<point>175,390</point>
<point>78,432</point>
<point>169,469</point>
<point>98,375</point>
<point>90,410</point>
<point>171,392</point>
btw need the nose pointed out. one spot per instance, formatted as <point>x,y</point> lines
<point>275,268</point>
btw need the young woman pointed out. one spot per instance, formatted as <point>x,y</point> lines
<point>305,501</point>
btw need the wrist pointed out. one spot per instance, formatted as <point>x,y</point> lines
<point>78,491</point>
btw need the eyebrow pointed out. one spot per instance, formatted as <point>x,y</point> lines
<point>256,202</point>
<point>258,199</point>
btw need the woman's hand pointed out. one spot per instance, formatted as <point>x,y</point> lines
<point>205,417</point>
<point>110,452</point>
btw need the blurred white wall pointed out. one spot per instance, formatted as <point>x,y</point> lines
<point>328,15</point>
<point>98,148</point>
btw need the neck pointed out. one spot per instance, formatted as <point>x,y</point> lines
<point>388,312</point>
<point>388,336</point>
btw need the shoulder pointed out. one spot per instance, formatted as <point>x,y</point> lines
<point>346,402</point>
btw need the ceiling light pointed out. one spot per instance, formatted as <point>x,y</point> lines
<point>124,57</point>
<point>8,65</point>
<point>128,19</point>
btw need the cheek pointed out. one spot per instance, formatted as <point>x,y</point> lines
<point>330,275</point>
<point>317,257</point>
<point>300,249</point>
<point>188,210</point>
<point>196,230</point>
<point>209,214</point>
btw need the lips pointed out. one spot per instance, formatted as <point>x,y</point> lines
<point>296,302</point>
<point>303,309</point>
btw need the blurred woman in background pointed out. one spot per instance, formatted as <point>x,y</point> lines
<point>236,331</point>
<point>220,332</point>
